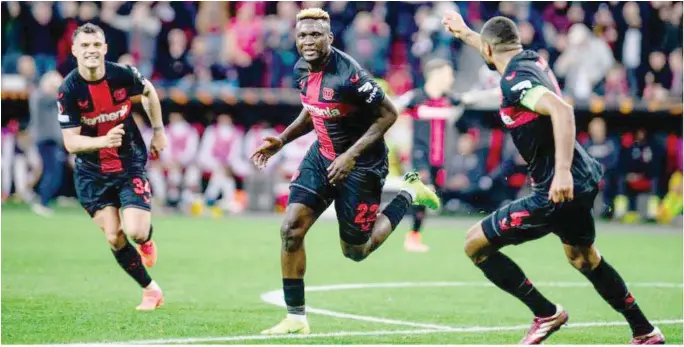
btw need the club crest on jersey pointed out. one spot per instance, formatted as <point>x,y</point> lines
<point>107,117</point>
<point>328,93</point>
<point>120,94</point>
<point>317,111</point>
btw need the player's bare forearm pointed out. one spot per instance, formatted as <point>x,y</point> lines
<point>377,130</point>
<point>301,126</point>
<point>76,143</point>
<point>152,105</point>
<point>563,120</point>
<point>564,136</point>
<point>471,38</point>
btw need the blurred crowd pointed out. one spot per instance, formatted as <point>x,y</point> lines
<point>615,50</point>
<point>612,49</point>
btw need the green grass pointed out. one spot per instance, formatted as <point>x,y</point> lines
<point>60,283</point>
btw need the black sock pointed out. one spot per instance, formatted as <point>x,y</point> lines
<point>294,295</point>
<point>613,290</point>
<point>418,217</point>
<point>505,274</point>
<point>129,259</point>
<point>397,208</point>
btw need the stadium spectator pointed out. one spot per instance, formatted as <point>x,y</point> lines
<point>640,168</point>
<point>142,27</point>
<point>220,156</point>
<point>43,29</point>
<point>174,65</point>
<point>26,67</point>
<point>47,135</point>
<point>12,35</point>
<point>280,44</point>
<point>631,45</point>
<point>463,174</point>
<point>604,26</point>
<point>179,160</point>
<point>556,17</point>
<point>675,63</point>
<point>245,41</point>
<point>658,78</point>
<point>616,88</point>
<point>607,151</point>
<point>584,63</point>
<point>368,42</point>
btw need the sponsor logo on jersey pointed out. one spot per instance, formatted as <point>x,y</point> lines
<point>107,117</point>
<point>320,112</point>
<point>366,88</point>
<point>83,104</point>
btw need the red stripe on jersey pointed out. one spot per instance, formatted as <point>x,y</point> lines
<point>110,161</point>
<point>514,117</point>
<point>313,90</point>
<point>437,128</point>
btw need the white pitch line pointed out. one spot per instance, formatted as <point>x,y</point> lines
<point>275,297</point>
<point>380,333</point>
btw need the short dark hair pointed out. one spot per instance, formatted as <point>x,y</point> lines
<point>434,64</point>
<point>87,28</point>
<point>501,33</point>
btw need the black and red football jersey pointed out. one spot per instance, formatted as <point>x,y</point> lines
<point>533,133</point>
<point>98,106</point>
<point>342,100</point>
<point>430,120</point>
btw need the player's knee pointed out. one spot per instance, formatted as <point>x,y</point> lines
<point>354,253</point>
<point>583,259</point>
<point>116,238</point>
<point>476,244</point>
<point>292,234</point>
<point>138,233</point>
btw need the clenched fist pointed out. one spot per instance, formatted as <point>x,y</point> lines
<point>114,137</point>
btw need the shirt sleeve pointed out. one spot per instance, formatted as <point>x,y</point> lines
<point>363,89</point>
<point>137,80</point>
<point>523,88</point>
<point>68,115</point>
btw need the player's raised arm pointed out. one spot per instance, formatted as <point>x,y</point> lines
<point>547,103</point>
<point>454,23</point>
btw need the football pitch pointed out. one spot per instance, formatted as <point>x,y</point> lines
<point>221,280</point>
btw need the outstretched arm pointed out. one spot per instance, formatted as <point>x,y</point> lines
<point>301,126</point>
<point>454,23</point>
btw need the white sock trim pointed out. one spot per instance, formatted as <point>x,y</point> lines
<point>297,317</point>
<point>410,191</point>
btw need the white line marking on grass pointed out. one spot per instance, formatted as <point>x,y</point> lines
<point>275,297</point>
<point>474,329</point>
